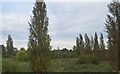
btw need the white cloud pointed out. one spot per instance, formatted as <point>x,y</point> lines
<point>80,17</point>
<point>14,21</point>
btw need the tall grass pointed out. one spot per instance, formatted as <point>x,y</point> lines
<point>57,65</point>
<point>9,65</point>
<point>12,65</point>
<point>70,65</point>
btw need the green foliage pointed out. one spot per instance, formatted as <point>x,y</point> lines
<point>58,54</point>
<point>2,47</point>
<point>22,49</point>
<point>92,42</point>
<point>87,42</point>
<point>79,45</point>
<point>70,65</point>
<point>10,48</point>
<point>113,31</point>
<point>22,56</point>
<point>102,44</point>
<point>12,65</point>
<point>96,44</point>
<point>24,67</point>
<point>39,40</point>
<point>9,65</point>
<point>57,65</point>
<point>87,59</point>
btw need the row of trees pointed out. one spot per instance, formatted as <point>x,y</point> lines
<point>91,45</point>
<point>39,40</point>
<point>88,43</point>
<point>112,51</point>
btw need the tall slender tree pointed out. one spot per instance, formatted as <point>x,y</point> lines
<point>92,43</point>
<point>39,40</point>
<point>81,41</point>
<point>77,50</point>
<point>102,44</point>
<point>10,48</point>
<point>113,31</point>
<point>79,44</point>
<point>96,44</point>
<point>87,42</point>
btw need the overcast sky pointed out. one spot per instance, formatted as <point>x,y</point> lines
<point>66,21</point>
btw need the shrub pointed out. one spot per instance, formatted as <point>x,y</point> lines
<point>87,59</point>
<point>22,56</point>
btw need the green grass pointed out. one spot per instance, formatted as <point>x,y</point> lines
<point>57,65</point>
<point>11,65</point>
<point>24,67</point>
<point>60,65</point>
<point>70,65</point>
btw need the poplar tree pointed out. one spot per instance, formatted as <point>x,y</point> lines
<point>102,45</point>
<point>77,50</point>
<point>113,31</point>
<point>10,48</point>
<point>77,43</point>
<point>81,44</point>
<point>87,42</point>
<point>91,42</point>
<point>96,44</point>
<point>39,40</point>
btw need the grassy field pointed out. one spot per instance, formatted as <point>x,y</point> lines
<point>11,65</point>
<point>57,65</point>
<point>70,65</point>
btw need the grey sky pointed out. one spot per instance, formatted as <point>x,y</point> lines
<point>66,21</point>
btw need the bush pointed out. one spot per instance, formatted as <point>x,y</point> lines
<point>87,59</point>
<point>22,56</point>
<point>9,65</point>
